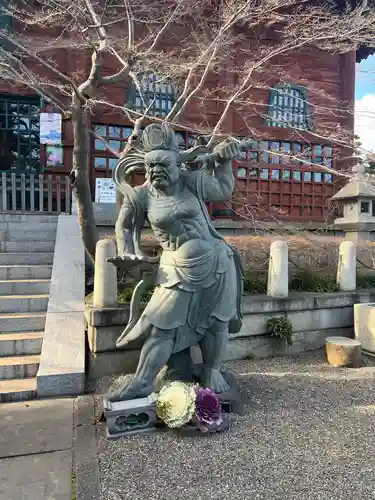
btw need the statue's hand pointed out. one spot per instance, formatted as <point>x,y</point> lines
<point>227,150</point>
<point>130,261</point>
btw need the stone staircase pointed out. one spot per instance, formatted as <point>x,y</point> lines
<point>27,245</point>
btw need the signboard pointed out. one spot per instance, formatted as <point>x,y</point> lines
<point>50,128</point>
<point>105,191</point>
<point>54,156</point>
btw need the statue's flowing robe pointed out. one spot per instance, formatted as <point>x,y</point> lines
<point>191,294</point>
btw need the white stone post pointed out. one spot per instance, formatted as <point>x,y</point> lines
<point>347,267</point>
<point>105,279</point>
<point>278,282</point>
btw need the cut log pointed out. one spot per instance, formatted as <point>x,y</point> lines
<point>341,351</point>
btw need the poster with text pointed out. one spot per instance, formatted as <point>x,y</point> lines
<point>50,128</point>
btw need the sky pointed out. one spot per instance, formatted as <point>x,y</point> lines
<point>365,103</point>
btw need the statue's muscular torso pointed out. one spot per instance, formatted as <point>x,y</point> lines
<point>178,222</point>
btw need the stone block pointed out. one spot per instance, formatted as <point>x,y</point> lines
<point>364,325</point>
<point>321,319</point>
<point>108,316</point>
<point>19,258</point>
<point>27,235</point>
<point>25,303</point>
<point>264,346</point>
<point>67,290</point>
<point>68,224</point>
<point>255,324</point>
<point>125,418</point>
<point>103,338</point>
<point>62,363</point>
<point>115,362</point>
<point>27,246</point>
<point>22,322</point>
<point>25,272</point>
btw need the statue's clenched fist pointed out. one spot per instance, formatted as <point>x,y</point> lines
<point>227,150</point>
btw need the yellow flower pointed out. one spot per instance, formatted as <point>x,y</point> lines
<point>175,404</point>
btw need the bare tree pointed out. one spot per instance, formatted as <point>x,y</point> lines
<point>214,54</point>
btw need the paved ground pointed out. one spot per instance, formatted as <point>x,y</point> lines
<point>309,434</point>
<point>36,449</point>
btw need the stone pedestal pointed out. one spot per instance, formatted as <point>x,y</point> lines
<point>124,418</point>
<point>341,351</point>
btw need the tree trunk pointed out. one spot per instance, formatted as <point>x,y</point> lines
<point>80,177</point>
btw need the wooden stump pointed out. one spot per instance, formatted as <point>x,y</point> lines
<point>342,351</point>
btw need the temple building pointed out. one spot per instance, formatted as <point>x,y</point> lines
<point>282,179</point>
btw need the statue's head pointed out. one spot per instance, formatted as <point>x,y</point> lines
<point>161,168</point>
<point>158,156</point>
<point>161,158</point>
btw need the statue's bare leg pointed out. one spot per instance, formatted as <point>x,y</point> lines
<point>155,353</point>
<point>180,366</point>
<point>212,346</point>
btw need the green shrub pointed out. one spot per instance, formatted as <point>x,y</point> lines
<point>124,295</point>
<point>254,284</point>
<point>365,281</point>
<point>308,282</point>
<point>281,328</point>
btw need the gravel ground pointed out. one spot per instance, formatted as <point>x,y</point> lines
<point>308,434</point>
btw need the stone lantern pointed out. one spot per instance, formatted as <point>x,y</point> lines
<point>358,201</point>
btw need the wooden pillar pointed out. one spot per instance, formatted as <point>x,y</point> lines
<point>347,98</point>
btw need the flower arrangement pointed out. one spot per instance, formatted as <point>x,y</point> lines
<point>180,403</point>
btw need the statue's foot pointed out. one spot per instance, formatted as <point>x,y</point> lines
<point>213,379</point>
<point>133,390</point>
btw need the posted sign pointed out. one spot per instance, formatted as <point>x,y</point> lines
<point>50,128</point>
<point>105,191</point>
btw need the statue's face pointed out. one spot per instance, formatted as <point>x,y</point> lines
<point>162,169</point>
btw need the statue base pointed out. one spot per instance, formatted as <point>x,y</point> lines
<point>125,418</point>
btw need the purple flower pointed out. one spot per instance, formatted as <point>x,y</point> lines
<point>207,407</point>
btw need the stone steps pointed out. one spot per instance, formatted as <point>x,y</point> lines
<point>17,390</point>
<point>22,322</point>
<point>25,366</point>
<point>27,246</point>
<point>31,217</point>
<point>21,258</point>
<point>20,343</point>
<point>23,235</point>
<point>27,226</point>
<point>25,272</point>
<point>24,287</point>
<point>23,303</point>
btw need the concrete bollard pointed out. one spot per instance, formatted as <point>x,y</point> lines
<point>105,279</point>
<point>278,281</point>
<point>347,267</point>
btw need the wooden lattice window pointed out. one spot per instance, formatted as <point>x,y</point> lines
<point>19,134</point>
<point>116,136</point>
<point>156,92</point>
<point>288,107</point>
